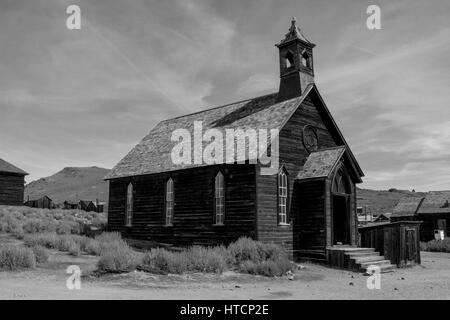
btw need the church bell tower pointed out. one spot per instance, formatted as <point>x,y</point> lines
<point>296,63</point>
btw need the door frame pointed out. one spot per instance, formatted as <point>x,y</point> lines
<point>347,217</point>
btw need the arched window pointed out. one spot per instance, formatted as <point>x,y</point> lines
<point>340,184</point>
<point>129,206</point>
<point>289,59</point>
<point>169,202</point>
<point>219,199</point>
<point>306,60</point>
<point>282,197</point>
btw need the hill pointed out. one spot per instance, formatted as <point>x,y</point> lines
<point>381,201</point>
<point>71,183</point>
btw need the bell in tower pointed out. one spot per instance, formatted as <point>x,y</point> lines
<point>296,63</point>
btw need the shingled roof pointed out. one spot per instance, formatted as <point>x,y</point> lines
<point>435,202</point>
<point>153,153</point>
<point>7,167</point>
<point>321,163</point>
<point>407,206</point>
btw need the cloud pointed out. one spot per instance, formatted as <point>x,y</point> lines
<point>86,97</point>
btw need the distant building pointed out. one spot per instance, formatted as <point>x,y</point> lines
<point>87,206</point>
<point>384,217</point>
<point>70,205</point>
<point>100,206</point>
<point>44,203</point>
<point>364,219</point>
<point>12,184</point>
<point>433,210</point>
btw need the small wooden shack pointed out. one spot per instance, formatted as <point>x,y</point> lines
<point>12,184</point>
<point>397,242</point>
<point>43,202</point>
<point>87,205</point>
<point>433,210</point>
<point>70,205</point>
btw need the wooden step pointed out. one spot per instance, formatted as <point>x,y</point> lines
<point>361,254</point>
<point>359,250</point>
<point>370,258</point>
<point>383,268</point>
<point>378,263</point>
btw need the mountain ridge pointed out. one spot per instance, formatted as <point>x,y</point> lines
<point>71,183</point>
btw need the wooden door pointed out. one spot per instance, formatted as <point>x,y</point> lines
<point>410,245</point>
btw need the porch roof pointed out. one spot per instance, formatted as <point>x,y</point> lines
<point>321,163</point>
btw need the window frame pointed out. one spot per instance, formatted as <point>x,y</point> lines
<point>169,202</point>
<point>283,196</point>
<point>129,205</point>
<point>219,199</point>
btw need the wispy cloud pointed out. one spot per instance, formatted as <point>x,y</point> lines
<point>86,97</point>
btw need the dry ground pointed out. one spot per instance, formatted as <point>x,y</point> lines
<point>431,280</point>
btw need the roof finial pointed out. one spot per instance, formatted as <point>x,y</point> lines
<point>294,20</point>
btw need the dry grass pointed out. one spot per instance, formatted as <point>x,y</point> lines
<point>13,257</point>
<point>436,245</point>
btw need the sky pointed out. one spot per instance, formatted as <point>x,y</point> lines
<point>86,97</point>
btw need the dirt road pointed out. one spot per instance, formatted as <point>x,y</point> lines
<point>431,280</point>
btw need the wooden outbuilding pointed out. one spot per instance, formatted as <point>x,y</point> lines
<point>43,202</point>
<point>307,204</point>
<point>12,184</point>
<point>433,210</point>
<point>70,205</point>
<point>86,205</point>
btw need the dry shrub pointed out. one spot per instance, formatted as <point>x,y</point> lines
<point>47,240</point>
<point>436,245</point>
<point>41,254</point>
<point>118,259</point>
<point>13,257</point>
<point>212,259</point>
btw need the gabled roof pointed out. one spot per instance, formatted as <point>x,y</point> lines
<point>435,202</point>
<point>9,168</point>
<point>40,198</point>
<point>386,215</point>
<point>153,153</point>
<point>407,206</point>
<point>320,164</point>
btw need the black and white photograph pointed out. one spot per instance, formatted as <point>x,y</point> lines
<point>224,150</point>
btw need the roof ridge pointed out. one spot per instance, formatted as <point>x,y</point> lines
<point>218,107</point>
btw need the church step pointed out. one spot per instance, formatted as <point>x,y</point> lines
<point>371,258</point>
<point>384,268</point>
<point>358,251</point>
<point>378,263</point>
<point>361,254</point>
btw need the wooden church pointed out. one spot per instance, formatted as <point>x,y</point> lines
<point>307,205</point>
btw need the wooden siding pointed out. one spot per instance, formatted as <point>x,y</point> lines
<point>428,225</point>
<point>398,241</point>
<point>11,189</point>
<point>193,221</point>
<point>292,156</point>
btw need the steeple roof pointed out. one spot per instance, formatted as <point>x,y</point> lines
<point>295,34</point>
